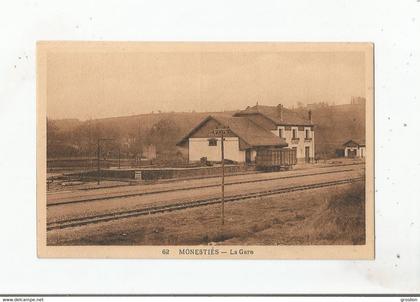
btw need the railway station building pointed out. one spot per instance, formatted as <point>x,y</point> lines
<point>249,130</point>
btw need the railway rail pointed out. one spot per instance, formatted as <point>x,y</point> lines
<point>133,194</point>
<point>75,222</point>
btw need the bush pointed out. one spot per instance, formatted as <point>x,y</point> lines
<point>342,218</point>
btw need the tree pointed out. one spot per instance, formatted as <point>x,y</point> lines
<point>163,135</point>
<point>52,131</point>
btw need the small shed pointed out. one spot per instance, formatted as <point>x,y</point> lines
<point>355,148</point>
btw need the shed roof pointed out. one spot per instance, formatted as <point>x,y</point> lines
<point>359,142</point>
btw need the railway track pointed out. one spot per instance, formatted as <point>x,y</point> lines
<point>75,222</point>
<point>133,194</point>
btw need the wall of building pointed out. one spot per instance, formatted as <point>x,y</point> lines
<point>301,141</point>
<point>199,147</point>
<point>360,151</point>
<point>347,149</point>
<point>253,154</point>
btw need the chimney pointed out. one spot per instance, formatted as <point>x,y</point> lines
<point>280,111</point>
<point>310,115</point>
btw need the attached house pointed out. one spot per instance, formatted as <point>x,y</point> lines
<point>355,148</point>
<point>251,129</point>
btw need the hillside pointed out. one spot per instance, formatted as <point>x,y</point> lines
<point>134,123</point>
<point>129,133</point>
<point>334,125</point>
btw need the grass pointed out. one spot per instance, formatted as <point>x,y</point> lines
<point>324,216</point>
<point>340,219</point>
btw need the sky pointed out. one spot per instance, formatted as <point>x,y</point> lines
<point>87,85</point>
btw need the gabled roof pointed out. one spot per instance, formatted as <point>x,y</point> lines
<point>359,142</point>
<point>252,134</point>
<point>288,117</point>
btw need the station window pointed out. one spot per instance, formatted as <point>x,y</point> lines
<point>212,142</point>
<point>294,133</point>
<point>307,133</point>
<point>280,132</point>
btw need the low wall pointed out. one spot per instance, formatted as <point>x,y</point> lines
<point>91,163</point>
<point>190,172</point>
<point>129,174</point>
<point>166,173</point>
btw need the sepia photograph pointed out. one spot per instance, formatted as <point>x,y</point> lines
<point>202,150</point>
<point>205,150</point>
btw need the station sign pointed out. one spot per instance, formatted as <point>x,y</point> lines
<point>221,132</point>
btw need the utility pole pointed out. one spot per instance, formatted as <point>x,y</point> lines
<point>98,151</point>
<point>99,157</point>
<point>89,152</point>
<point>223,179</point>
<point>221,133</point>
<point>119,158</point>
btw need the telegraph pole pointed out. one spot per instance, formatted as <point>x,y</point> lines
<point>99,157</point>
<point>99,160</point>
<point>119,158</point>
<point>223,179</point>
<point>221,133</point>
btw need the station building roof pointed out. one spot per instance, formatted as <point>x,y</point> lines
<point>251,134</point>
<point>277,114</point>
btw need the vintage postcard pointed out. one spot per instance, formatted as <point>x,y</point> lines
<point>205,150</point>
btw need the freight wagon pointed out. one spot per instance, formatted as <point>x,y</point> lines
<point>275,159</point>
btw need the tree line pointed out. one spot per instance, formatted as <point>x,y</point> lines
<point>81,140</point>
